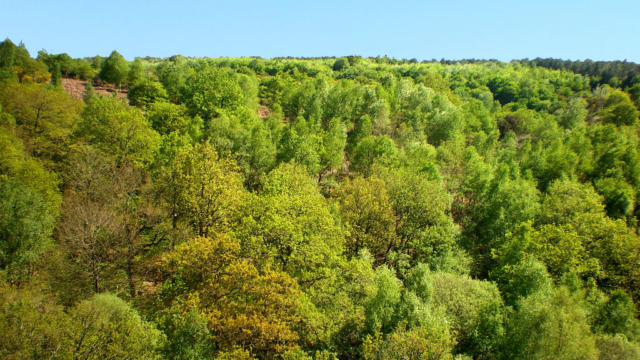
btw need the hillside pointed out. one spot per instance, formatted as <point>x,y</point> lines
<point>327,208</point>
<point>77,89</point>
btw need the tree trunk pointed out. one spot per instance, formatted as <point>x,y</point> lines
<point>174,227</point>
<point>96,287</point>
<point>130,256</point>
<point>132,286</point>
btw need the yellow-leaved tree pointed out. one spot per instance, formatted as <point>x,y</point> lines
<point>242,306</point>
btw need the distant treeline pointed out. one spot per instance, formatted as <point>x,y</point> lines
<point>615,73</point>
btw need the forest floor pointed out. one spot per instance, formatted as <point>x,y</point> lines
<point>263,111</point>
<point>75,88</point>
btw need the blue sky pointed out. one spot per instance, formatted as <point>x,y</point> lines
<point>505,30</point>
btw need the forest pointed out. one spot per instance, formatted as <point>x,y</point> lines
<point>318,208</point>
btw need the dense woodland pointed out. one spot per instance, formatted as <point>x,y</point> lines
<point>329,208</point>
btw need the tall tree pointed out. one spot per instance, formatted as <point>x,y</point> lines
<point>26,226</point>
<point>45,118</point>
<point>203,189</point>
<point>210,93</point>
<point>108,327</point>
<point>368,214</point>
<point>114,69</point>
<point>118,129</point>
<point>243,306</point>
<point>92,219</point>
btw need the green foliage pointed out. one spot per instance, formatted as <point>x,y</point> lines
<point>173,74</point>
<point>298,143</point>
<point>17,165</point>
<point>202,188</point>
<point>88,92</point>
<point>619,110</point>
<point>618,316</point>
<point>352,208</point>
<point>474,309</point>
<point>67,66</point>
<point>291,224</point>
<point>166,118</point>
<point>210,93</point>
<point>187,336</point>
<point>370,150</point>
<point>575,113</point>
<point>56,76</point>
<point>620,197</point>
<point>242,305</point>
<point>333,145</point>
<point>340,64</point>
<point>16,65</point>
<point>549,326</point>
<point>44,117</point>
<point>504,89</point>
<point>559,247</point>
<point>114,69</point>
<point>239,354</point>
<point>33,325</point>
<point>106,326</point>
<point>506,204</point>
<point>117,129</point>
<point>381,308</point>
<point>521,280</point>
<point>566,201</point>
<point>423,222</point>
<point>136,72</point>
<point>617,348</point>
<point>146,92</point>
<point>26,225</point>
<point>368,216</point>
<point>419,343</point>
<point>101,327</point>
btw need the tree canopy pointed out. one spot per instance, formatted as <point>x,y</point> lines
<point>321,208</point>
